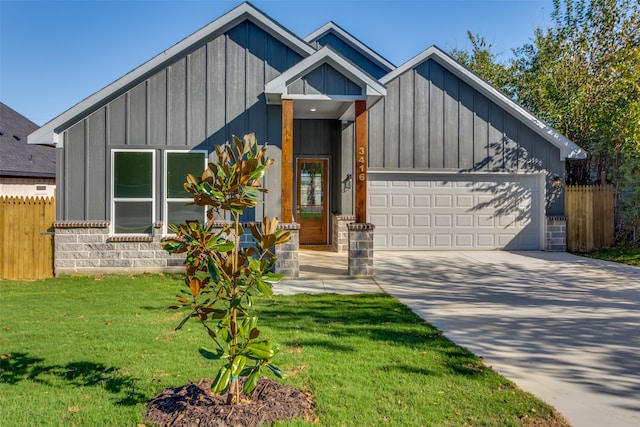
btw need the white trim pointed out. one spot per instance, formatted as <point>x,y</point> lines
<point>543,211</point>
<point>568,149</point>
<point>332,27</point>
<point>166,200</point>
<point>112,208</point>
<point>48,134</point>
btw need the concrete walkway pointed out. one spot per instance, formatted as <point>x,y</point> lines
<point>564,328</point>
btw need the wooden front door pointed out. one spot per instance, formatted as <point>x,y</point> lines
<point>313,201</point>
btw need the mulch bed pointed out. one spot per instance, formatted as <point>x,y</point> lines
<point>194,405</point>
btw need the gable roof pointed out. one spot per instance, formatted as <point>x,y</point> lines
<point>48,134</point>
<point>333,28</point>
<point>17,158</point>
<point>568,149</point>
<point>277,89</point>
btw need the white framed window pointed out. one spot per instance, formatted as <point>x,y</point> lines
<point>177,164</point>
<point>132,191</point>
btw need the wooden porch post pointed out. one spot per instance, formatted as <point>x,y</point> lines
<point>287,161</point>
<point>361,162</point>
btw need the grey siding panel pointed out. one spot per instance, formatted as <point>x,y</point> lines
<point>236,80</point>
<point>255,101</point>
<point>76,176</point>
<point>406,120</point>
<point>324,80</point>
<point>511,149</point>
<point>216,91</point>
<point>392,125</point>
<point>451,121</point>
<point>61,181</point>
<point>375,129</point>
<point>496,143</point>
<point>177,111</point>
<point>353,55</point>
<point>197,100</point>
<point>421,119</point>
<point>117,116</point>
<point>345,202</point>
<point>158,109</point>
<point>97,186</point>
<point>138,115</point>
<point>480,133</point>
<point>465,130</point>
<point>436,117</point>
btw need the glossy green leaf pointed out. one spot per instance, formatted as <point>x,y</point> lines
<point>211,355</point>
<point>251,382</point>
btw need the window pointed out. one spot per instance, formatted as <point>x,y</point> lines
<point>133,190</point>
<point>177,165</point>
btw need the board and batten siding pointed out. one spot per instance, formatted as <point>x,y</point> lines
<point>354,55</point>
<point>431,120</point>
<point>324,80</point>
<point>195,101</point>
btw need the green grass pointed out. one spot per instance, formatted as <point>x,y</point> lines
<point>625,255</point>
<point>91,351</point>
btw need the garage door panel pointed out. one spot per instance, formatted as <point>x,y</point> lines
<point>455,212</point>
<point>422,220</point>
<point>463,221</point>
<point>400,200</point>
<point>421,241</point>
<point>421,201</point>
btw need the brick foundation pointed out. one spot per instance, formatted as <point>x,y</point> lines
<point>86,247</point>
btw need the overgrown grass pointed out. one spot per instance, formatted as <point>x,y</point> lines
<point>91,351</point>
<point>625,255</point>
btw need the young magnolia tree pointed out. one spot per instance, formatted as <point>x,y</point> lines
<point>222,277</point>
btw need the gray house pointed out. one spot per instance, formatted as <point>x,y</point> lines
<point>425,156</point>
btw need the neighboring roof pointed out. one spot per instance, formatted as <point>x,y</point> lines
<point>335,29</point>
<point>277,89</point>
<point>17,158</point>
<point>48,134</point>
<point>568,149</point>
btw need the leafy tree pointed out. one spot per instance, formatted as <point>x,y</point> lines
<point>485,63</point>
<point>221,276</point>
<point>582,76</point>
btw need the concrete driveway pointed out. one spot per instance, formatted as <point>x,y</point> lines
<point>564,328</point>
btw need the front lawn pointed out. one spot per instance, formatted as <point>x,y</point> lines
<point>625,255</point>
<point>91,351</point>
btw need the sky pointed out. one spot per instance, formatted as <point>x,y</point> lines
<point>53,54</point>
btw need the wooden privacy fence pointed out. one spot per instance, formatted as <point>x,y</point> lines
<point>590,217</point>
<point>25,253</point>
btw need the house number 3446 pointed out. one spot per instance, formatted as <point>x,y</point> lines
<point>361,164</point>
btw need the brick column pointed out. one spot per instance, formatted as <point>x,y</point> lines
<point>340,240</point>
<point>288,262</point>
<point>556,234</point>
<point>360,249</point>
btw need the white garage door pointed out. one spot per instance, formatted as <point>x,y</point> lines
<point>456,212</point>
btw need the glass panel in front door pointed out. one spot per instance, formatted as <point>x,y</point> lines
<point>311,191</point>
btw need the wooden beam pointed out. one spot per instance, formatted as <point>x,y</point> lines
<point>361,162</point>
<point>287,161</point>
